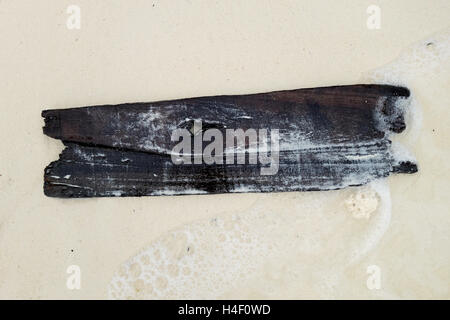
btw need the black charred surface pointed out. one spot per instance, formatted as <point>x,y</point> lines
<point>124,150</point>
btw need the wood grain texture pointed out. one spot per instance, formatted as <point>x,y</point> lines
<point>330,138</point>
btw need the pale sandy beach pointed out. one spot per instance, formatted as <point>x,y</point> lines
<point>386,240</point>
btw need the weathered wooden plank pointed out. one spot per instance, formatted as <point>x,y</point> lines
<point>86,171</point>
<point>329,138</point>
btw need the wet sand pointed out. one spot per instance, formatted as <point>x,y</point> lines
<point>284,245</point>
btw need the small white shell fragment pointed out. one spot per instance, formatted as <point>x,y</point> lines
<point>362,203</point>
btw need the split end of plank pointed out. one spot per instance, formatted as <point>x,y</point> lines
<point>408,167</point>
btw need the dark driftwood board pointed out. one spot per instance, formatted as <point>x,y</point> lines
<point>329,138</point>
